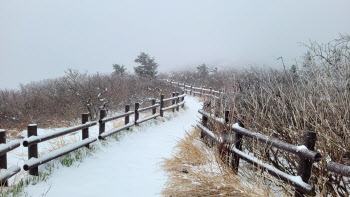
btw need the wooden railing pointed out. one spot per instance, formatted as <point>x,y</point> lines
<point>234,150</point>
<point>33,139</point>
<point>6,173</point>
<point>307,155</point>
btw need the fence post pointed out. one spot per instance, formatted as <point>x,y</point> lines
<point>85,132</point>
<point>161,105</point>
<point>137,105</point>
<point>33,149</point>
<point>183,98</point>
<point>3,158</point>
<point>225,138</point>
<point>177,101</point>
<point>305,165</point>
<point>127,118</point>
<point>204,123</point>
<point>191,90</point>
<point>173,101</point>
<point>102,126</point>
<point>184,87</point>
<point>237,140</point>
<point>154,110</point>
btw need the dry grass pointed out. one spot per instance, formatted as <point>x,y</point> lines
<point>313,95</point>
<point>195,170</point>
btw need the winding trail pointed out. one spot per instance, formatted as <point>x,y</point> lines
<point>129,167</point>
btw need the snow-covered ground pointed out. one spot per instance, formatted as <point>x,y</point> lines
<point>129,167</point>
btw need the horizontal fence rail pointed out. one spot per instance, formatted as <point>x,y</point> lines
<point>338,168</point>
<point>114,131</point>
<point>148,118</point>
<point>37,139</point>
<point>8,173</point>
<point>148,108</point>
<point>4,148</point>
<point>298,150</point>
<point>233,147</point>
<point>170,99</point>
<point>104,120</point>
<point>295,181</point>
<point>35,162</point>
<point>169,107</point>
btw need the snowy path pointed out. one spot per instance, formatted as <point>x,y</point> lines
<point>129,167</point>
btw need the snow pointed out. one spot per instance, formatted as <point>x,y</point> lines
<point>129,167</point>
<point>302,147</point>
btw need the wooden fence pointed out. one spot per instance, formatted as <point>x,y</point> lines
<point>6,173</point>
<point>230,146</point>
<point>33,139</point>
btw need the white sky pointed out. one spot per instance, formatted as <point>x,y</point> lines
<point>41,39</point>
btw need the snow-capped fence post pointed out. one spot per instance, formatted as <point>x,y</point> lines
<point>191,90</point>
<point>161,105</point>
<point>85,132</point>
<point>127,118</point>
<point>183,98</point>
<point>154,110</point>
<point>305,165</point>
<point>237,141</point>
<point>173,101</point>
<point>177,101</point>
<point>102,125</point>
<point>33,149</point>
<point>3,158</point>
<point>137,106</point>
<point>184,87</point>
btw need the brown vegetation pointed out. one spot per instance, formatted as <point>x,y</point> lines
<point>314,94</point>
<point>58,102</point>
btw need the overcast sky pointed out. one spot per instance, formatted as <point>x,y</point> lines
<point>41,39</point>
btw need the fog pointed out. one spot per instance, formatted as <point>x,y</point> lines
<point>42,39</point>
